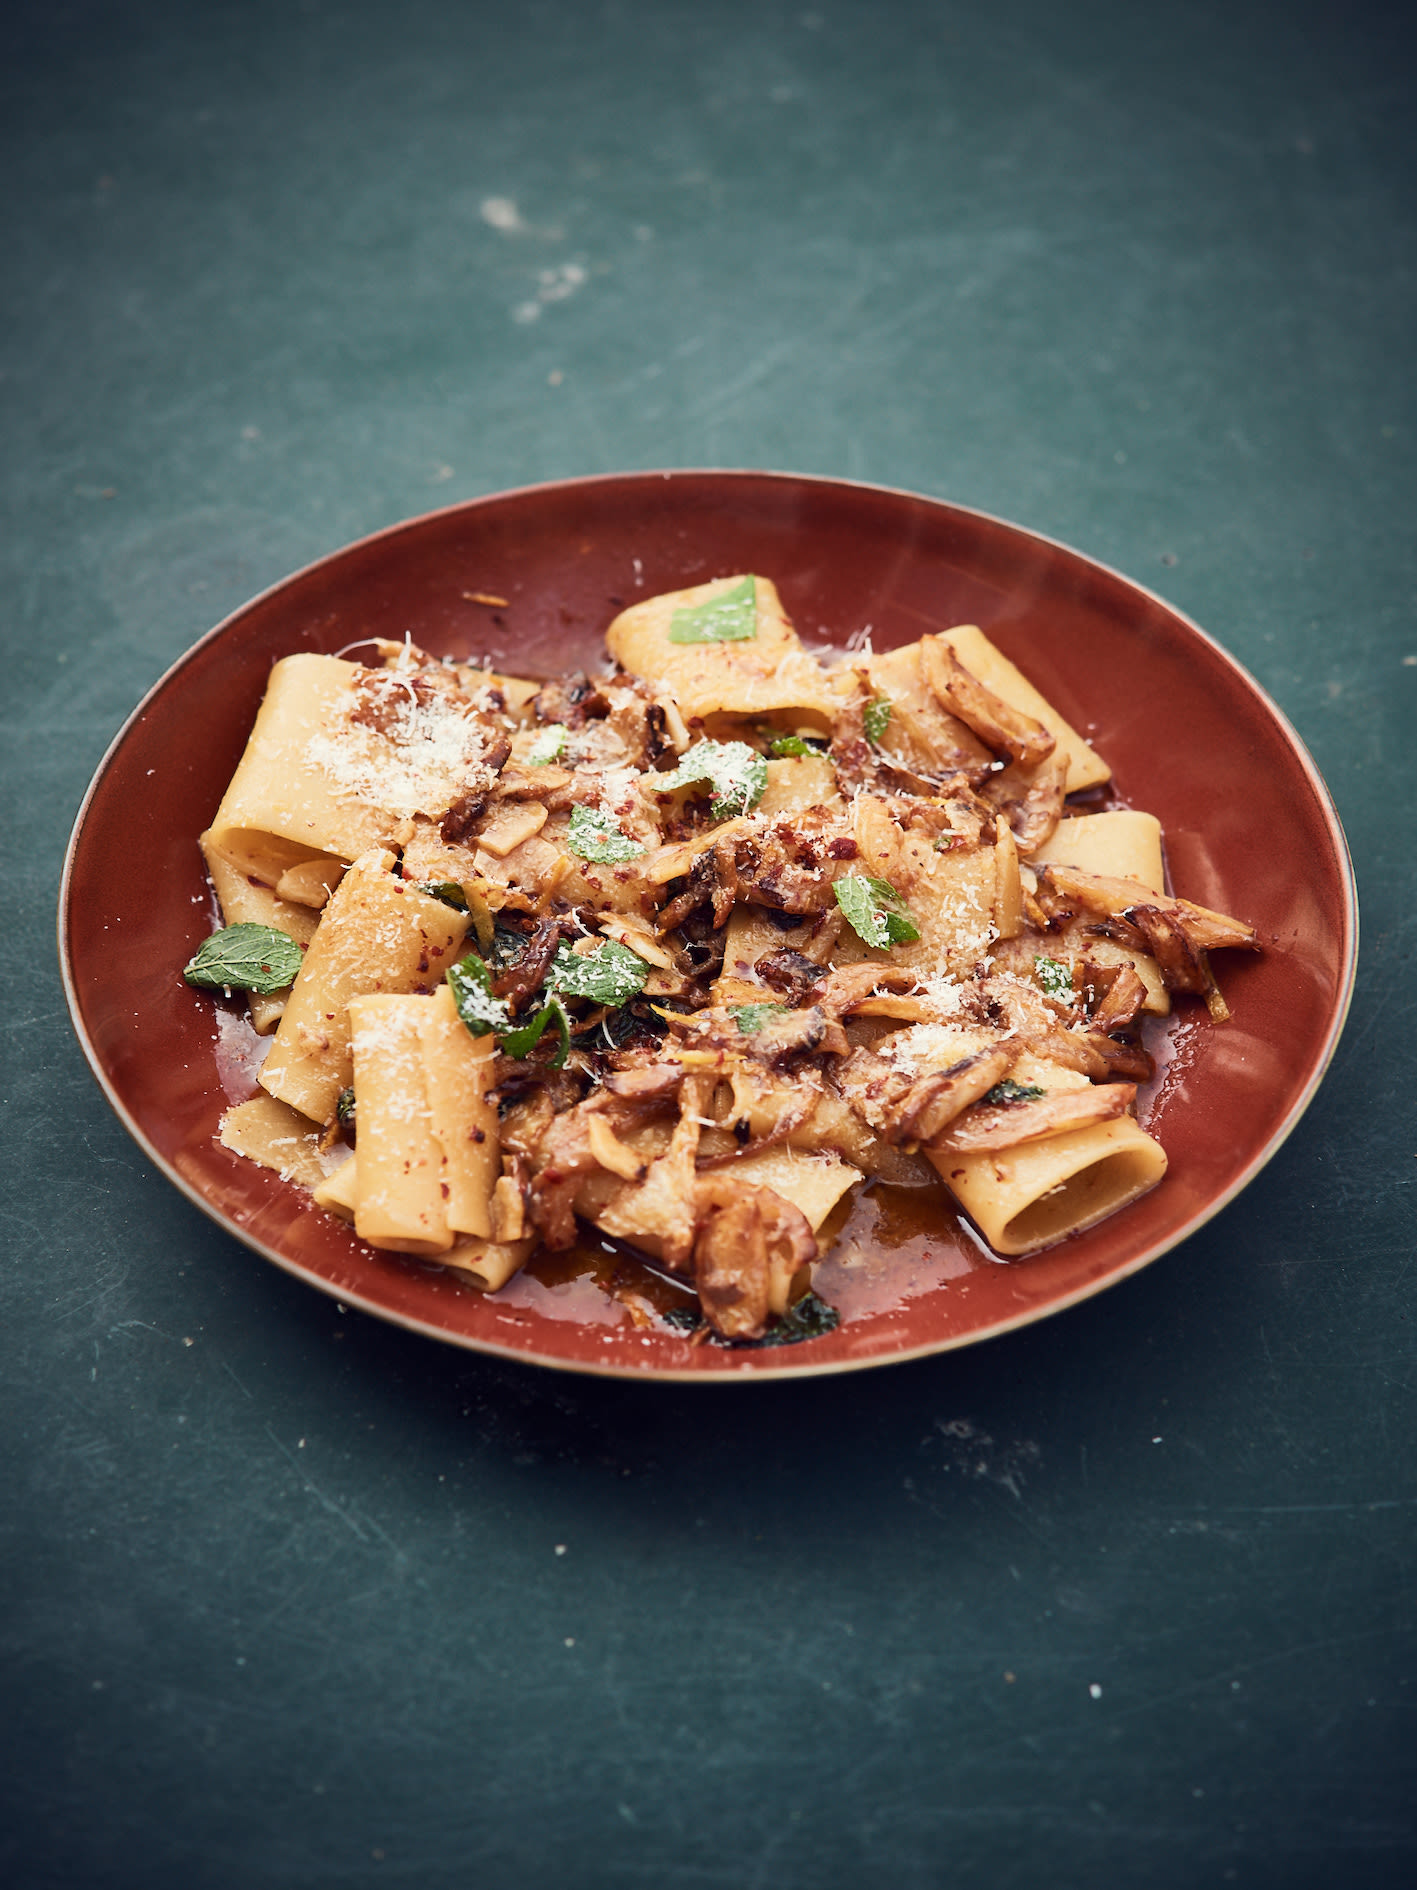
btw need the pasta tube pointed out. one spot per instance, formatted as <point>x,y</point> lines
<point>399,1194</point>
<point>377,934</point>
<point>458,1072</point>
<point>282,808</point>
<point>1030,1196</point>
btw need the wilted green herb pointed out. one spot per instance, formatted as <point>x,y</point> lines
<point>448,890</point>
<point>750,1018</point>
<point>479,1008</point>
<point>345,1108</point>
<point>875,718</point>
<point>245,957</point>
<point>683,1318</point>
<point>521,1042</point>
<point>737,774</point>
<point>550,743</point>
<point>1011,1092</point>
<point>810,1318</point>
<point>876,911</point>
<point>731,617</point>
<point>507,945</point>
<point>784,745</point>
<point>485,1014</point>
<point>595,836</point>
<point>611,974</point>
<point>638,1019</point>
<point>1054,978</point>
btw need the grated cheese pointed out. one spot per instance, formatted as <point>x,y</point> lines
<point>435,751</point>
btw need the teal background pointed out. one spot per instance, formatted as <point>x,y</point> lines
<point>294,1599</point>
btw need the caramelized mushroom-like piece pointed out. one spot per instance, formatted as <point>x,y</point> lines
<point>1002,728</point>
<point>749,1246</point>
<point>1006,1124</point>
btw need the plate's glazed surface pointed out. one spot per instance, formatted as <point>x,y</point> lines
<point>1189,736</point>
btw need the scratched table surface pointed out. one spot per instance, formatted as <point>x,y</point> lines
<point>294,1598</point>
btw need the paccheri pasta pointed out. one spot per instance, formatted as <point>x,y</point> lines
<point>688,951</point>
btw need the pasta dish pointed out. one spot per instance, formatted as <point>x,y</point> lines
<point>688,951</point>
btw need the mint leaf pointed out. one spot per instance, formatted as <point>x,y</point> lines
<point>731,617</point>
<point>520,1042</point>
<point>791,745</point>
<point>473,996</point>
<point>875,718</point>
<point>750,1018</point>
<point>1054,978</point>
<point>737,774</point>
<point>1011,1092</point>
<point>550,743</point>
<point>595,836</point>
<point>611,974</point>
<point>878,914</point>
<point>245,957</point>
<point>484,1013</point>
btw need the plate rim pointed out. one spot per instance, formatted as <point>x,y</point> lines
<point>755,1366</point>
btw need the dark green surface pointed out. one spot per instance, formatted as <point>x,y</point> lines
<point>1126,1599</point>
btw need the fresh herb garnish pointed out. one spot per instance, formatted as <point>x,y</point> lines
<point>1055,979</point>
<point>750,1018</point>
<point>245,957</point>
<point>737,774</point>
<point>810,1318</point>
<point>784,745</point>
<point>877,913</point>
<point>875,718</point>
<point>595,836</point>
<point>1011,1092</point>
<point>448,890</point>
<point>477,1005</point>
<point>731,617</point>
<point>520,1042</point>
<point>345,1108</point>
<point>611,974</point>
<point>485,1014</point>
<point>549,744</point>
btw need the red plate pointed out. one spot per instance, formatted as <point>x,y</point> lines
<point>1190,736</point>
